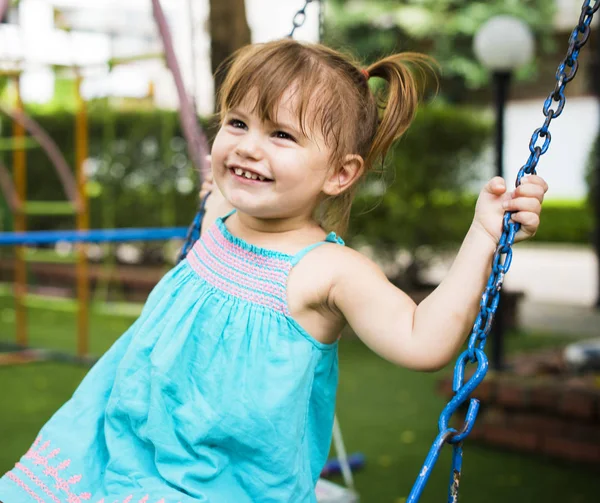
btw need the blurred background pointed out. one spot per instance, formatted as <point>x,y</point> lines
<point>91,137</point>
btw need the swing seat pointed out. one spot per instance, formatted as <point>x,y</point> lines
<point>328,492</point>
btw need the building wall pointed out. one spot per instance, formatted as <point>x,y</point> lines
<point>573,134</point>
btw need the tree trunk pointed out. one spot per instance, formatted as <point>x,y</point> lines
<point>229,31</point>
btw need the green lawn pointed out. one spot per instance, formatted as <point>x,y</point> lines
<point>387,413</point>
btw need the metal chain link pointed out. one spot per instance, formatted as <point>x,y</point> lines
<point>502,259</point>
<point>321,20</point>
<point>299,18</point>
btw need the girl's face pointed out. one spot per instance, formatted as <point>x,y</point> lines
<point>270,170</point>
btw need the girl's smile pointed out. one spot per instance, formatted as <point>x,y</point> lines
<point>247,175</point>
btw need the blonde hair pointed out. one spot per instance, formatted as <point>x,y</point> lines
<point>338,93</point>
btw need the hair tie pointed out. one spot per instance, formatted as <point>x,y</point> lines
<point>365,72</point>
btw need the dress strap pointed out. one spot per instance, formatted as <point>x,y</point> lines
<point>332,237</point>
<point>228,214</point>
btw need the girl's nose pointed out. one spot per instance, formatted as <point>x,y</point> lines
<point>249,147</point>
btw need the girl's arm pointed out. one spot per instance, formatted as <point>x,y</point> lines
<point>426,337</point>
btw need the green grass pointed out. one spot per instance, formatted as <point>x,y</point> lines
<point>387,413</point>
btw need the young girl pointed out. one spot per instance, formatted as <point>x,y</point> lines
<point>223,390</point>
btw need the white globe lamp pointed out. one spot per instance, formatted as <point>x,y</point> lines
<point>504,43</point>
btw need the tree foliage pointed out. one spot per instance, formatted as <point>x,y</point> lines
<point>422,201</point>
<point>442,28</point>
<point>138,170</point>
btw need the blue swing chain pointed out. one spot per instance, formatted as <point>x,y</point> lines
<point>299,18</point>
<point>193,233</point>
<point>500,265</point>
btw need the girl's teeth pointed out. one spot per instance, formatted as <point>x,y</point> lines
<point>247,174</point>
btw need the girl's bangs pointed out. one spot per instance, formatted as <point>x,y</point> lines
<point>260,81</point>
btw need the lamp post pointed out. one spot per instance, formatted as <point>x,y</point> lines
<point>595,188</point>
<point>502,44</point>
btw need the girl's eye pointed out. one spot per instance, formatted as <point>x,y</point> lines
<point>236,123</point>
<point>282,135</point>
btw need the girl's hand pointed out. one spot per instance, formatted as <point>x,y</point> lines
<point>208,183</point>
<point>216,205</point>
<point>525,202</point>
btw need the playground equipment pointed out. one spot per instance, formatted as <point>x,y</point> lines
<point>76,205</point>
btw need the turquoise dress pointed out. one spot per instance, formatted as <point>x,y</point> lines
<point>215,394</point>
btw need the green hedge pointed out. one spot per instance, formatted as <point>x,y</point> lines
<point>561,221</point>
<point>566,223</point>
<point>139,172</point>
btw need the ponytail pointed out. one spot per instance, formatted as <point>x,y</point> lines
<point>396,103</point>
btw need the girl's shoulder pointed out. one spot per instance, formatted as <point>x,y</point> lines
<point>216,206</point>
<point>331,262</point>
<point>340,266</point>
<point>315,282</point>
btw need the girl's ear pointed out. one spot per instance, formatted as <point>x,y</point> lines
<point>343,178</point>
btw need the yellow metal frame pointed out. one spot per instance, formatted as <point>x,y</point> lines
<point>82,221</point>
<point>19,146</point>
<point>20,177</point>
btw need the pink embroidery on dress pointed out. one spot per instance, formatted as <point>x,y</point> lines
<point>237,250</point>
<point>129,498</point>
<point>208,275</point>
<point>240,283</point>
<point>253,279</point>
<point>245,261</point>
<point>37,481</point>
<point>36,454</point>
<point>24,486</point>
<point>240,272</point>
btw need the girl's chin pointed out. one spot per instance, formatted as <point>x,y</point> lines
<point>256,211</point>
<point>249,207</point>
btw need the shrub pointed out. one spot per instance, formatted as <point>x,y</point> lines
<point>429,170</point>
<point>139,174</point>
